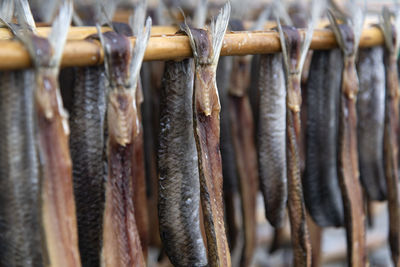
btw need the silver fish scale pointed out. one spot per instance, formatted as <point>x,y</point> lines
<point>179,188</point>
<point>20,230</point>
<point>371,120</point>
<point>272,137</point>
<point>87,153</point>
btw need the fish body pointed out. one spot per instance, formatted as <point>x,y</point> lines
<point>242,124</point>
<point>179,186</point>
<point>271,138</point>
<point>371,118</point>
<point>348,168</point>
<point>206,47</point>
<point>391,131</point>
<point>320,182</point>
<point>87,153</point>
<point>229,170</point>
<point>20,224</point>
<point>58,214</point>
<point>121,242</point>
<point>121,238</point>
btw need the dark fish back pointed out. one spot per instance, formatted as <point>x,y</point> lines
<point>20,230</point>
<point>321,188</point>
<point>87,146</point>
<point>179,186</point>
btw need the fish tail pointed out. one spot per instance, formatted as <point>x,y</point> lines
<point>59,31</point>
<point>355,21</point>
<point>6,10</point>
<point>138,18</point>
<point>142,39</point>
<point>218,28</point>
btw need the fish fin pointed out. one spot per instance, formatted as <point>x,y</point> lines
<point>280,11</point>
<point>283,45</point>
<point>59,31</point>
<point>317,7</point>
<point>354,19</point>
<point>200,15</point>
<point>24,15</point>
<point>218,28</point>
<point>138,17</point>
<point>390,30</point>
<point>104,12</point>
<point>6,10</point>
<point>142,39</point>
<point>107,51</point>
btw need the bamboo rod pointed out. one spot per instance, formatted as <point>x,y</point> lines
<point>87,53</point>
<point>80,33</point>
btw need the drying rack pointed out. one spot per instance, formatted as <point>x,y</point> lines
<point>165,45</point>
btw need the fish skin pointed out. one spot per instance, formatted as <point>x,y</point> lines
<point>245,153</point>
<point>391,131</point>
<point>121,241</point>
<point>391,153</point>
<point>348,169</point>
<point>271,138</point>
<point>297,214</point>
<point>179,186</point>
<point>206,46</point>
<point>371,120</point>
<point>58,215</point>
<point>139,182</point>
<point>320,182</point>
<point>20,226</point>
<point>57,196</point>
<point>87,152</point>
<point>229,171</point>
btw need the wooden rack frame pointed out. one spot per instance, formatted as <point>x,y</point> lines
<point>79,52</point>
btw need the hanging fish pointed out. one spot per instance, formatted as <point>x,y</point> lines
<point>87,152</point>
<point>206,46</point>
<point>348,39</point>
<point>294,50</point>
<point>179,186</point>
<point>371,117</point>
<point>320,182</point>
<point>245,152</point>
<point>58,216</point>
<point>229,171</point>
<point>121,241</point>
<point>391,128</point>
<point>271,137</point>
<point>20,228</point>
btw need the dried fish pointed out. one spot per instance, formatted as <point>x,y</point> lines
<point>320,182</point>
<point>88,159</point>
<point>121,242</point>
<point>348,38</point>
<point>57,200</point>
<point>371,117</point>
<point>229,171</point>
<point>272,138</point>
<point>245,152</point>
<point>206,46</point>
<point>179,186</point>
<point>295,49</point>
<point>20,228</point>
<point>391,130</point>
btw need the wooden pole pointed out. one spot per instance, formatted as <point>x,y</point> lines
<point>87,53</point>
